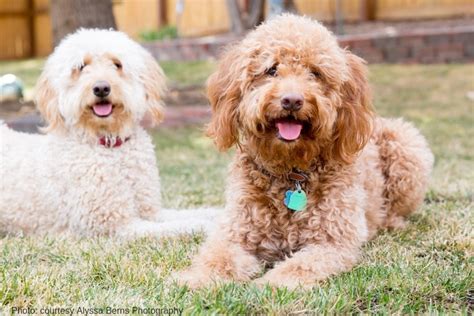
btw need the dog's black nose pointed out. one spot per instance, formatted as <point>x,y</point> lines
<point>101,89</point>
<point>292,101</point>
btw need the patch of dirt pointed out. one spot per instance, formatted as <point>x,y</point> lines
<point>188,95</point>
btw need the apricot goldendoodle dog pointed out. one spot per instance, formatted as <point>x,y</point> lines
<point>316,173</point>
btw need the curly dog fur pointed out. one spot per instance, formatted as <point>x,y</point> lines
<point>95,172</point>
<point>365,173</point>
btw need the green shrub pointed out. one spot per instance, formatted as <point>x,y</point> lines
<point>166,32</point>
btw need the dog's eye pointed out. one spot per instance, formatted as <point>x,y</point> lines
<point>118,65</point>
<point>316,74</point>
<point>272,71</point>
<point>81,67</point>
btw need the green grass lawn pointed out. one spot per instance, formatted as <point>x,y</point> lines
<point>426,268</point>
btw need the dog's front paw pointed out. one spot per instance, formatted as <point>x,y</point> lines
<point>194,278</point>
<point>276,278</point>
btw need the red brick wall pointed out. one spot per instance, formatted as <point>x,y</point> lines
<point>440,45</point>
<point>430,46</point>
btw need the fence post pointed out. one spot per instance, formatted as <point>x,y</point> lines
<point>30,17</point>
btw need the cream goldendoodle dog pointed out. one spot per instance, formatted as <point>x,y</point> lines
<point>95,172</point>
<point>316,173</point>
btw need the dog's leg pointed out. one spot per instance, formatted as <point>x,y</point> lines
<point>220,260</point>
<point>149,200</point>
<point>309,265</point>
<point>144,228</point>
<point>146,179</point>
<point>190,220</point>
<point>209,213</point>
<point>407,162</point>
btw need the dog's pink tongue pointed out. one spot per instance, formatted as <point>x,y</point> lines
<point>289,130</point>
<point>102,109</point>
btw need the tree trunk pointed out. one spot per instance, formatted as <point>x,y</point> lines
<point>69,15</point>
<point>290,6</point>
<point>244,19</point>
<point>237,26</point>
<point>255,13</point>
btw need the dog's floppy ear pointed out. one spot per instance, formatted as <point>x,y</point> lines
<point>354,121</point>
<point>224,93</point>
<point>154,81</point>
<point>46,99</point>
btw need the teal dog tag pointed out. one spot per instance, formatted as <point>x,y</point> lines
<point>297,200</point>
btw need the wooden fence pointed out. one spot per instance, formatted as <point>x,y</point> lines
<point>25,26</point>
<point>416,9</point>
<point>203,17</point>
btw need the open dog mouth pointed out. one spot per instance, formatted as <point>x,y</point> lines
<point>289,128</point>
<point>102,108</point>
